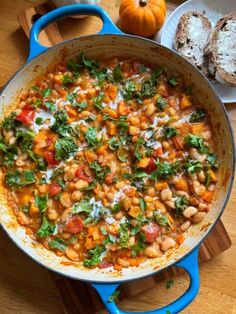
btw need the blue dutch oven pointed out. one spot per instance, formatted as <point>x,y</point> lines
<point>108,43</point>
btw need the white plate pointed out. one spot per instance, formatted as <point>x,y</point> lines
<point>213,9</point>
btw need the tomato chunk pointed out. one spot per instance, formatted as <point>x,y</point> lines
<point>151,166</point>
<point>27,115</point>
<point>82,175</point>
<point>54,189</point>
<point>74,224</point>
<point>151,231</point>
<point>51,158</point>
<point>104,264</point>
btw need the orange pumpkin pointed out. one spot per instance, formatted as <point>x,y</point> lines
<point>142,17</point>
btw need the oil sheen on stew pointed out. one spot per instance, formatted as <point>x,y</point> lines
<point>108,162</point>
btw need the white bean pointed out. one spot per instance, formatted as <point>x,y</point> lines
<point>170,204</point>
<point>71,254</point>
<point>202,207</point>
<point>182,193</point>
<point>185,226</point>
<point>166,195</point>
<point>190,211</point>
<point>195,155</point>
<point>201,176</point>
<point>197,218</point>
<point>80,184</point>
<point>151,252</point>
<point>167,244</point>
<point>122,262</point>
<point>206,135</point>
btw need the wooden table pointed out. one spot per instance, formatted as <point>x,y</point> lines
<point>26,287</point>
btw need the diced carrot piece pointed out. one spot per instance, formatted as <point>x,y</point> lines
<point>181,185</point>
<point>180,239</point>
<point>123,110</point>
<point>96,235</point>
<point>197,128</point>
<point>111,112</point>
<point>72,113</point>
<point>89,243</point>
<point>161,185</point>
<point>159,205</point>
<point>130,192</point>
<point>143,163</point>
<point>33,210</point>
<point>134,212</point>
<point>213,175</point>
<point>62,92</point>
<point>111,91</point>
<point>58,79</point>
<point>133,261</point>
<point>111,128</point>
<point>90,156</point>
<point>207,196</point>
<point>185,101</point>
<point>162,89</point>
<point>117,267</point>
<point>102,149</point>
<point>178,143</point>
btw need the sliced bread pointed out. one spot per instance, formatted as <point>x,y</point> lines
<point>191,38</point>
<point>221,50</point>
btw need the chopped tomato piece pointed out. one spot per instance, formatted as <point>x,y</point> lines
<point>51,159</point>
<point>54,189</point>
<point>151,166</point>
<point>157,152</point>
<point>82,175</point>
<point>104,264</point>
<point>27,115</point>
<point>74,224</point>
<point>151,231</point>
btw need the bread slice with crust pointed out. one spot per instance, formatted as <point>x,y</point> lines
<point>221,50</point>
<point>191,38</point>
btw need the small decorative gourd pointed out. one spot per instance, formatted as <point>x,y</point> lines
<point>142,17</point>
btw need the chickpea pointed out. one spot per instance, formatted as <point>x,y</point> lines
<point>148,199</point>
<point>122,262</point>
<point>76,196</point>
<point>167,244</point>
<point>20,162</point>
<point>65,199</point>
<point>151,192</point>
<point>134,121</point>
<point>211,187</point>
<point>197,218</point>
<point>133,130</point>
<point>166,195</point>
<point>144,126</point>
<point>190,211</point>
<point>113,229</point>
<point>42,188</point>
<point>151,108</point>
<point>127,203</point>
<point>119,215</point>
<point>131,241</point>
<point>72,254</point>
<point>80,184</point>
<point>135,201</point>
<point>77,247</point>
<point>198,188</point>
<point>165,145</point>
<point>70,173</point>
<point>201,176</point>
<point>195,155</point>
<point>184,227</point>
<point>149,214</point>
<point>22,219</point>
<point>206,135</point>
<point>52,214</point>
<point>182,193</point>
<point>133,222</point>
<point>66,235</point>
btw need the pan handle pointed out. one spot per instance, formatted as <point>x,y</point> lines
<point>76,9</point>
<point>189,263</point>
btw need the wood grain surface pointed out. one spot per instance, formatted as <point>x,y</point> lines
<point>25,287</point>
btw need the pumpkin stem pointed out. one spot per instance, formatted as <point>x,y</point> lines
<point>142,3</point>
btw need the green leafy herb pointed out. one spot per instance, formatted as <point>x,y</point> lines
<point>66,79</point>
<point>208,178</point>
<point>117,73</point>
<point>140,246</point>
<point>57,244</point>
<point>97,101</point>
<point>8,154</point>
<point>137,153</point>
<point>41,202</point>
<point>46,92</point>
<point>50,105</point>
<point>142,204</point>
<point>89,64</point>
<point>192,166</point>
<point>122,122</point>
<point>16,178</point>
<point>91,136</point>
<point>169,283</point>
<point>123,235</point>
<point>99,171</point>
<point>129,90</point>
<point>196,142</point>
<point>211,159</point>
<point>113,297</point>
<point>172,81</point>
<point>46,228</point>
<point>25,139</point>
<point>116,208</point>
<point>197,116</point>
<point>135,175</point>
<point>64,147</point>
<point>103,230</point>
<point>142,68</point>
<point>37,103</point>
<point>165,170</point>
<point>82,206</point>
<point>39,120</point>
<point>170,131</point>
<point>113,143</point>
<point>61,125</point>
<point>180,204</point>
<point>161,103</point>
<point>94,256</point>
<point>162,220</point>
<point>9,122</point>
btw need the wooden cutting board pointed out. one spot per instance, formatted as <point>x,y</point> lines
<point>77,296</point>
